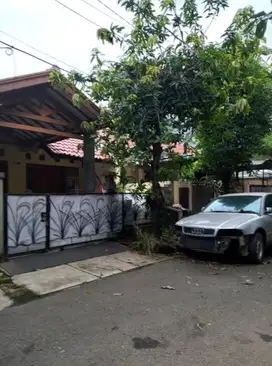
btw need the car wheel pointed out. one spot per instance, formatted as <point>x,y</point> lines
<point>256,248</point>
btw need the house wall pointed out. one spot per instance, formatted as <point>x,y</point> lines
<point>17,160</point>
<point>176,192</point>
<point>135,174</point>
<point>197,196</point>
<point>256,182</point>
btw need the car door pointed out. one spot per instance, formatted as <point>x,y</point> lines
<point>267,218</point>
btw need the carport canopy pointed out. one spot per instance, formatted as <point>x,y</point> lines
<point>34,114</point>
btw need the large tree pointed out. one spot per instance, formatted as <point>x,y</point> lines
<point>151,95</point>
<point>241,115</point>
<point>168,84</point>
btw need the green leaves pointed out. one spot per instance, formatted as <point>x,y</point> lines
<point>166,86</point>
<point>105,35</point>
<point>242,106</point>
<point>231,131</point>
<point>191,15</point>
<point>167,4</point>
<point>76,99</point>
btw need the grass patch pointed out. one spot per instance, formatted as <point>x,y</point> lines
<point>18,294</point>
<point>4,278</point>
<point>147,243</point>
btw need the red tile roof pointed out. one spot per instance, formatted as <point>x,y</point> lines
<point>71,147</point>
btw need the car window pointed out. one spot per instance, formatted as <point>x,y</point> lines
<point>237,203</point>
<point>268,201</point>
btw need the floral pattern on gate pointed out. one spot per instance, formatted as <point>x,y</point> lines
<point>25,227</point>
<point>87,217</point>
<point>72,219</point>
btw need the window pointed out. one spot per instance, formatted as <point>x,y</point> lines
<point>237,203</point>
<point>268,202</point>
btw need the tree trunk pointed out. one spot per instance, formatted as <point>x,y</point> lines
<point>157,199</point>
<point>89,164</point>
<point>226,179</point>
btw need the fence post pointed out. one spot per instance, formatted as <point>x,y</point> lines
<point>123,212</point>
<point>47,223</point>
<point>3,220</point>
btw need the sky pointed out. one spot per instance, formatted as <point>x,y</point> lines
<point>58,32</point>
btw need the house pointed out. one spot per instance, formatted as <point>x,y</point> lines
<point>41,139</point>
<point>55,168</point>
<point>34,118</point>
<point>259,179</point>
<point>44,155</point>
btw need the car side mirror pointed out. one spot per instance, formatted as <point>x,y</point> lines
<point>202,208</point>
<point>268,211</point>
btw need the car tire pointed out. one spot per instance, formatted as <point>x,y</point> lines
<point>256,248</point>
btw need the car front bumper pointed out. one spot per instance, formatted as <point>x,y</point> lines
<point>213,244</point>
<point>204,244</point>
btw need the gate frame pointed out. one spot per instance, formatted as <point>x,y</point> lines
<point>3,223</point>
<point>47,196</point>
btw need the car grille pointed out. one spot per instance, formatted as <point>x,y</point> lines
<point>198,231</point>
<point>200,243</point>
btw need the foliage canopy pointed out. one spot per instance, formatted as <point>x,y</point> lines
<point>169,85</point>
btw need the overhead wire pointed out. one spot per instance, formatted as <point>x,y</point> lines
<point>42,52</point>
<point>209,25</point>
<point>11,47</point>
<point>34,56</point>
<point>101,11</point>
<point>80,15</point>
<point>114,12</point>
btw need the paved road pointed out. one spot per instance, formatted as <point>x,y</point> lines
<point>210,319</point>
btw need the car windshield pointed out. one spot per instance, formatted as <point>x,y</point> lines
<point>242,204</point>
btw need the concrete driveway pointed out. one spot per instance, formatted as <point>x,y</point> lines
<point>218,314</point>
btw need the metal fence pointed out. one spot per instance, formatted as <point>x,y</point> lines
<point>43,222</point>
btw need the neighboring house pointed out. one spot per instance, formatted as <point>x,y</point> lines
<point>72,149</point>
<point>56,168</point>
<point>41,139</point>
<point>259,179</point>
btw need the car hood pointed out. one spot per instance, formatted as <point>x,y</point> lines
<point>217,220</point>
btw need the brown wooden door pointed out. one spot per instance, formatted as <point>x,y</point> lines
<point>184,197</point>
<point>45,179</point>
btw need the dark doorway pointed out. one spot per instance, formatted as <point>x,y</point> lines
<point>4,169</point>
<point>51,179</point>
<point>184,197</point>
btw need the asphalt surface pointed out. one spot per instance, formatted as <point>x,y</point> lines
<point>35,261</point>
<point>218,314</point>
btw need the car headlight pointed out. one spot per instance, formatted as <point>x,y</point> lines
<point>178,228</point>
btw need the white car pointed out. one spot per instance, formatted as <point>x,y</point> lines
<point>241,221</point>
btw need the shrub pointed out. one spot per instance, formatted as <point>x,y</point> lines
<point>145,242</point>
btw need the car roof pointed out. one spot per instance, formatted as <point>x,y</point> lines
<point>258,194</point>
